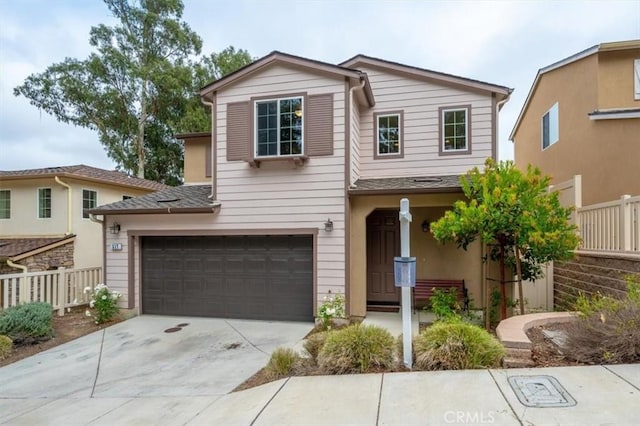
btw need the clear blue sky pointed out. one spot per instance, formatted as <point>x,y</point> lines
<point>501,42</point>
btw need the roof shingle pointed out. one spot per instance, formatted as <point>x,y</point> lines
<point>82,171</point>
<point>12,247</point>
<point>415,184</point>
<point>180,199</point>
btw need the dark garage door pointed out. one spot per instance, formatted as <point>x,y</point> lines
<point>254,277</point>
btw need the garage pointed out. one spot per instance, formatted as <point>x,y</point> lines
<point>267,277</point>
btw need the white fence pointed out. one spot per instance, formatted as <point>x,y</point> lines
<point>62,288</point>
<point>611,227</point>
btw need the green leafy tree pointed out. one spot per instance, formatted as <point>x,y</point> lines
<point>137,89</point>
<point>524,224</point>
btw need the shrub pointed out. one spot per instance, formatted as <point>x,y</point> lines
<point>444,304</point>
<point>314,343</point>
<point>357,349</point>
<point>103,302</point>
<point>456,345</point>
<point>608,330</point>
<point>6,345</point>
<point>281,363</point>
<point>27,323</point>
<point>332,307</point>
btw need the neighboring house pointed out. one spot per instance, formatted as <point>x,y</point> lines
<point>582,117</point>
<point>44,219</point>
<point>295,194</point>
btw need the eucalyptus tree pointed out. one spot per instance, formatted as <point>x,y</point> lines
<point>136,89</point>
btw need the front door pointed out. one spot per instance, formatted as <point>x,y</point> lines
<point>383,243</point>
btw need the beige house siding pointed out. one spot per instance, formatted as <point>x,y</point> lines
<point>615,79</point>
<point>278,195</point>
<point>420,101</point>
<point>604,152</point>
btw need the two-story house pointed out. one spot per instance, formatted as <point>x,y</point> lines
<point>295,193</point>
<point>44,218</point>
<point>582,117</point>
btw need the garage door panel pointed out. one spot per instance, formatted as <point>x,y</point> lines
<point>255,277</point>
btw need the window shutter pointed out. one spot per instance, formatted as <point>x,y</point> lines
<point>238,138</point>
<point>319,125</point>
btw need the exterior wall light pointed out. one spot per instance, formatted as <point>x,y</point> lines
<point>328,225</point>
<point>425,226</point>
<point>115,228</point>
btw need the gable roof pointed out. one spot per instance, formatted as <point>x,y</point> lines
<point>602,47</point>
<point>84,172</point>
<point>179,199</point>
<point>423,73</point>
<point>288,59</point>
<point>19,248</point>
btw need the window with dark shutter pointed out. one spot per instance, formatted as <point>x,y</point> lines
<point>319,125</point>
<point>238,138</point>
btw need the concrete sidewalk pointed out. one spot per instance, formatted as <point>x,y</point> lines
<point>602,394</point>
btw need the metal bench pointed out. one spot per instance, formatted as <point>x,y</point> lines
<point>424,289</point>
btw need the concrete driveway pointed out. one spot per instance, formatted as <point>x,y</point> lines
<point>137,358</point>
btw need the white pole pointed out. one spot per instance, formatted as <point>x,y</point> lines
<point>405,220</point>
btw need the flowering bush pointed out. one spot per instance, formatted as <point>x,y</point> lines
<point>332,307</point>
<point>104,302</point>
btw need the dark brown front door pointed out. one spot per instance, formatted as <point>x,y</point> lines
<point>383,243</point>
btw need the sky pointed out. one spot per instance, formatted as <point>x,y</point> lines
<point>500,42</point>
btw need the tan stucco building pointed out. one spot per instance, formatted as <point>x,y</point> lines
<point>582,117</point>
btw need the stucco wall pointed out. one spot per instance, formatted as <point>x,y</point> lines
<point>604,152</point>
<point>433,259</point>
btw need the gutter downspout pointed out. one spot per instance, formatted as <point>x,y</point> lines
<point>351,92</point>
<point>213,155</point>
<point>69,203</point>
<point>93,218</point>
<point>17,266</point>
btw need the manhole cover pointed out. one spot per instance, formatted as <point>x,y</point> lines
<point>540,391</point>
<point>184,324</point>
<point>172,329</point>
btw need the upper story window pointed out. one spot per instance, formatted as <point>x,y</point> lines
<point>44,203</point>
<point>636,79</point>
<point>5,204</point>
<point>388,135</point>
<point>455,134</point>
<point>89,201</point>
<point>550,127</point>
<point>279,127</point>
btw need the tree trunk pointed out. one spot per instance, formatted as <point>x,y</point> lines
<point>519,272</point>
<point>503,285</point>
<point>140,136</point>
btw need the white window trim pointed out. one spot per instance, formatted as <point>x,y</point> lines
<point>38,203</point>
<point>7,218</point>
<point>552,141</point>
<point>466,129</point>
<point>389,154</point>
<point>636,79</point>
<point>255,126</point>
<point>82,202</point>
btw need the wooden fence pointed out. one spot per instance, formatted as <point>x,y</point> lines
<point>611,227</point>
<point>62,288</point>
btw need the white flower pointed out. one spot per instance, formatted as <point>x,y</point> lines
<point>92,304</point>
<point>104,297</point>
<point>87,313</point>
<point>87,289</point>
<point>68,310</point>
<point>331,311</point>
